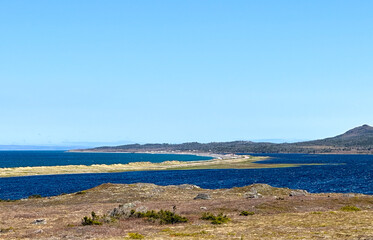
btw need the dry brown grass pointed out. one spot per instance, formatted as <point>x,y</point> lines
<point>314,216</point>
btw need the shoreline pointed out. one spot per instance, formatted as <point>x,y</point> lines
<point>202,154</point>
<point>206,154</point>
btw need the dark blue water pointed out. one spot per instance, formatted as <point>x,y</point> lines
<point>58,158</point>
<point>343,173</point>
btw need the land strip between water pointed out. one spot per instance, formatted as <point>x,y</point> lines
<point>229,162</point>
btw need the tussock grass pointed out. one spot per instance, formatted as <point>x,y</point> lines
<point>135,236</point>
<point>218,219</point>
<point>350,209</point>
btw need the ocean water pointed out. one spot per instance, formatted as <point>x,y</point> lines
<point>341,173</point>
<point>54,158</point>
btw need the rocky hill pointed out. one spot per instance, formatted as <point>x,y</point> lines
<point>357,137</point>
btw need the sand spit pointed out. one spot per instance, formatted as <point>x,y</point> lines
<point>231,162</point>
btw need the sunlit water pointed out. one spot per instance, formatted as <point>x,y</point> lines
<point>341,173</point>
<point>55,158</point>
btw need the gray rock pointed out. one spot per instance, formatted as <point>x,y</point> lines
<point>203,208</point>
<point>188,186</point>
<point>39,221</point>
<point>39,231</point>
<point>298,193</point>
<point>204,196</point>
<point>154,192</point>
<point>348,195</point>
<point>142,209</point>
<point>261,187</point>
<point>144,185</point>
<point>253,193</point>
<point>123,211</point>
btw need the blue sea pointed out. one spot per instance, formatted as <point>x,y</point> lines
<point>10,159</point>
<point>340,173</point>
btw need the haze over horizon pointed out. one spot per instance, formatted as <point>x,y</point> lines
<point>172,72</point>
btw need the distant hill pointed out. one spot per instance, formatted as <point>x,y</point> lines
<point>358,137</point>
<point>355,141</point>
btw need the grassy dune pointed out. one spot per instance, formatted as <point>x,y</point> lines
<point>238,162</point>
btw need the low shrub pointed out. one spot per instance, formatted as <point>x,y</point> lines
<point>246,213</point>
<point>5,230</point>
<point>163,216</point>
<point>350,209</point>
<point>218,219</point>
<point>35,196</point>
<point>208,216</point>
<point>7,200</point>
<point>135,236</point>
<point>94,220</point>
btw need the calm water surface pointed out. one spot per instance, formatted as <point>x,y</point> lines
<point>342,173</point>
<point>58,158</point>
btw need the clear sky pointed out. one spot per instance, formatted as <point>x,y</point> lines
<point>176,71</point>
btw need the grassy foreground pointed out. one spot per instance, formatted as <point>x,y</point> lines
<point>236,162</point>
<point>274,215</point>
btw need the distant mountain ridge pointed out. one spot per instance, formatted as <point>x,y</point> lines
<point>358,140</point>
<point>356,137</point>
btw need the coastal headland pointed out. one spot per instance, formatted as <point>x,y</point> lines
<point>220,161</point>
<point>358,140</point>
<point>132,211</point>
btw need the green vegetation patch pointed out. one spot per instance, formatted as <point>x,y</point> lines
<point>218,219</point>
<point>350,209</point>
<point>246,213</point>
<point>135,236</point>
<point>80,192</point>
<point>316,212</point>
<point>184,234</point>
<point>162,216</point>
<point>94,220</point>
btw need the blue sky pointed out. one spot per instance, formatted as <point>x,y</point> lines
<point>176,71</point>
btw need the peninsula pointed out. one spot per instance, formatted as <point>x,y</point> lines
<point>224,162</point>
